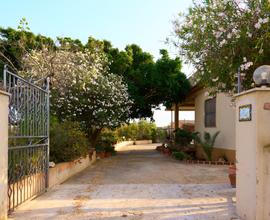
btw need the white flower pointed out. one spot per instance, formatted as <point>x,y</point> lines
<point>265,20</point>
<point>257,25</point>
<point>249,34</point>
<point>215,79</point>
<point>222,42</point>
<point>221,14</point>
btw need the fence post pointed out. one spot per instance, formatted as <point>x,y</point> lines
<point>253,154</point>
<point>4,101</point>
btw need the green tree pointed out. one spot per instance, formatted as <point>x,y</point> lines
<point>149,83</point>
<point>171,84</point>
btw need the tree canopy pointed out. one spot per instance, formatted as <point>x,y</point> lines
<point>219,38</point>
<point>150,83</point>
<point>83,89</point>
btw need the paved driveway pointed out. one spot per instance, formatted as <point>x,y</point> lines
<point>138,183</point>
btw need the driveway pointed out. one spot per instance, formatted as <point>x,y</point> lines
<point>138,183</point>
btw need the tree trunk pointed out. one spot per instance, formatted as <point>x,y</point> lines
<point>93,135</point>
<point>176,116</point>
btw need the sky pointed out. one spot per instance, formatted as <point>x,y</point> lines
<point>144,22</point>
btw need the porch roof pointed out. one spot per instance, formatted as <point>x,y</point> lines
<point>189,103</point>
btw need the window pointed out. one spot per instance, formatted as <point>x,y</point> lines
<point>210,112</point>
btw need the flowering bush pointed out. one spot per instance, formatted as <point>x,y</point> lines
<point>220,37</point>
<point>82,88</point>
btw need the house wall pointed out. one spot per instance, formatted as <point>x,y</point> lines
<point>225,123</point>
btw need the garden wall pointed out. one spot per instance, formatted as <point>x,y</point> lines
<point>143,142</point>
<point>119,145</point>
<point>62,171</point>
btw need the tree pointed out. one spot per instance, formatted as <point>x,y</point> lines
<point>82,89</point>
<point>149,83</point>
<point>221,37</point>
<point>172,85</point>
<point>14,44</point>
<point>170,82</point>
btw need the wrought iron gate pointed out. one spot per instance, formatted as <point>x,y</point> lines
<point>28,153</point>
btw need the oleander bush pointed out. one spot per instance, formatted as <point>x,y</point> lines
<point>67,141</point>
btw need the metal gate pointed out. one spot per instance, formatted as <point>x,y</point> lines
<point>28,152</point>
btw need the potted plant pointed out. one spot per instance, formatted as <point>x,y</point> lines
<point>100,152</point>
<point>109,151</point>
<point>167,151</point>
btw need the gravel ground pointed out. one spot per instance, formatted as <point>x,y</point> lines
<point>138,183</point>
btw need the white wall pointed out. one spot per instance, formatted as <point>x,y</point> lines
<point>225,119</point>
<point>253,164</point>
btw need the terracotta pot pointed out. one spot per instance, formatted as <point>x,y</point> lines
<point>167,151</point>
<point>108,154</point>
<point>101,155</point>
<point>232,175</point>
<point>159,148</point>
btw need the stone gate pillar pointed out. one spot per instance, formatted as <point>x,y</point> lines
<point>253,154</point>
<point>4,100</point>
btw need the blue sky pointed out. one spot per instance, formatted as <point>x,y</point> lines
<point>145,22</point>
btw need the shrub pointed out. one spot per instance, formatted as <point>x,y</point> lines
<point>181,155</point>
<point>107,138</point>
<point>183,137</point>
<point>110,150</point>
<point>67,141</point>
<point>137,131</point>
<point>161,135</point>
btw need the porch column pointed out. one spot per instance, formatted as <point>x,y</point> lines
<point>176,116</point>
<point>4,100</point>
<point>253,154</point>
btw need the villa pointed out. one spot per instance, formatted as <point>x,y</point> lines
<point>213,114</point>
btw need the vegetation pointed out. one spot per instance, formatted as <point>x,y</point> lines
<point>142,130</point>
<point>67,141</point>
<point>220,38</point>
<point>149,83</point>
<point>181,155</point>
<point>94,85</point>
<point>108,138</point>
<point>184,137</point>
<point>82,88</point>
<point>207,143</point>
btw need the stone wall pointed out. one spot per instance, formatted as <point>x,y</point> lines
<point>62,171</point>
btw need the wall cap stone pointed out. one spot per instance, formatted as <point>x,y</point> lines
<point>4,93</point>
<point>259,89</point>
